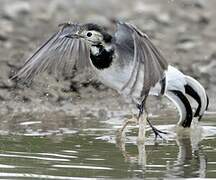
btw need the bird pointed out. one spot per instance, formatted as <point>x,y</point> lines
<point>126,61</point>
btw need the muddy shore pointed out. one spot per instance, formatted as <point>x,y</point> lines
<point>183,30</point>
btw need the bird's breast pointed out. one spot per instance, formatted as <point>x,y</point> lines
<point>122,74</point>
<point>115,76</point>
<point>109,69</point>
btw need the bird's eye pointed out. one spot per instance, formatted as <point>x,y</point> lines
<point>89,34</point>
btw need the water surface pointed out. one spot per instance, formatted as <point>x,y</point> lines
<point>56,146</point>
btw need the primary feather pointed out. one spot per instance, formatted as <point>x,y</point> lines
<point>58,55</point>
<point>148,65</point>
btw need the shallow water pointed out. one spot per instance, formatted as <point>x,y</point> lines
<point>56,146</point>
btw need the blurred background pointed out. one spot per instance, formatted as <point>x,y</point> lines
<point>65,128</point>
<point>183,30</point>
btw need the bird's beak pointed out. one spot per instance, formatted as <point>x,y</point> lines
<point>72,36</point>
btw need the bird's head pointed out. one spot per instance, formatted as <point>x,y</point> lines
<point>92,34</point>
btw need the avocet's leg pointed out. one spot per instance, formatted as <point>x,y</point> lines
<point>133,120</point>
<point>120,136</point>
<point>143,118</point>
<point>142,128</point>
<point>142,155</point>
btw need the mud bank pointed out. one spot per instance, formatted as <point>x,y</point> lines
<point>183,30</point>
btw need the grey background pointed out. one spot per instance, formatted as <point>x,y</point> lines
<point>184,31</point>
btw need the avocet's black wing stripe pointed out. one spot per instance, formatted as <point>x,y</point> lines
<point>207,104</point>
<point>189,113</point>
<point>183,105</point>
<point>201,95</point>
<point>190,91</point>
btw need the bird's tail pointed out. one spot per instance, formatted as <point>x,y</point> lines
<point>178,88</point>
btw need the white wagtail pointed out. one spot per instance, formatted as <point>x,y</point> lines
<point>126,61</point>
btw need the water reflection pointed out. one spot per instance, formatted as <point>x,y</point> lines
<point>55,146</point>
<point>190,161</point>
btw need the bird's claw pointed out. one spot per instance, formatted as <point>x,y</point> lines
<point>158,133</point>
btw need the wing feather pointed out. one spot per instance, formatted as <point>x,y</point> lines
<point>58,55</point>
<point>146,56</point>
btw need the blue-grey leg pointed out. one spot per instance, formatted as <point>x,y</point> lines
<point>142,110</point>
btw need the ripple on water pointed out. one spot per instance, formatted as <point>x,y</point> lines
<point>34,157</point>
<point>82,167</point>
<point>72,149</point>
<point>41,176</point>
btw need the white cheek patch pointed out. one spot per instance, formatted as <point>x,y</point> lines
<point>94,50</point>
<point>96,37</point>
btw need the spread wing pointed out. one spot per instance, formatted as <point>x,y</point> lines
<point>146,57</point>
<point>58,55</point>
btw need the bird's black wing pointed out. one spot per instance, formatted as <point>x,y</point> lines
<point>146,57</point>
<point>58,55</point>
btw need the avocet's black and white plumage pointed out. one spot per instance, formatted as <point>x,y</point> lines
<point>126,61</point>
